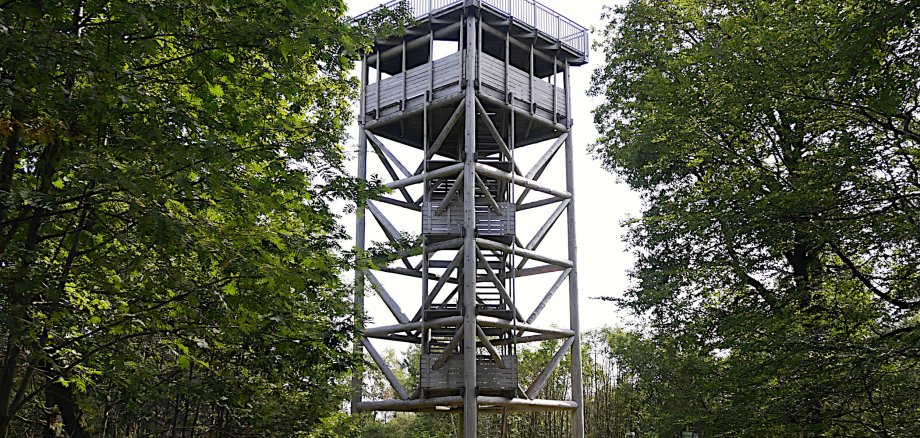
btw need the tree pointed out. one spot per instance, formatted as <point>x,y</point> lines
<point>168,253</point>
<point>775,144</point>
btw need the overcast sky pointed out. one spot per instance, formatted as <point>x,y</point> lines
<point>602,204</point>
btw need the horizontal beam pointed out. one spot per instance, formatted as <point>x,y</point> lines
<point>445,245</point>
<point>485,402</point>
<point>489,244</point>
<point>539,203</point>
<point>489,321</point>
<point>416,179</point>
<point>537,270</point>
<point>412,326</point>
<point>398,203</point>
<point>493,172</point>
<point>402,115</point>
<point>532,338</point>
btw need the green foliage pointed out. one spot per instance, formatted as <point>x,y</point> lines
<point>168,249</point>
<point>775,145</point>
<point>611,401</point>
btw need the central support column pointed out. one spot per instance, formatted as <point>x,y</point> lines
<point>578,395</point>
<point>470,411</point>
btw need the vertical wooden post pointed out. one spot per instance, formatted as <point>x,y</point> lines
<point>405,77</point>
<point>377,111</point>
<point>532,69</point>
<point>555,83</point>
<point>425,334</point>
<point>508,60</point>
<point>578,417</point>
<point>470,409</point>
<point>357,380</point>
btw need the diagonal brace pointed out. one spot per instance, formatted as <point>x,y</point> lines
<point>437,287</point>
<point>496,135</point>
<point>442,136</point>
<point>541,233</point>
<point>380,146</point>
<point>548,296</point>
<point>488,196</point>
<point>537,384</point>
<point>387,372</point>
<point>537,170</point>
<point>491,348</point>
<point>498,284</point>
<point>458,183</point>
<point>386,297</point>
<point>388,229</point>
<point>449,349</point>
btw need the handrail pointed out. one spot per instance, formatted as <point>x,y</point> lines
<point>529,12</point>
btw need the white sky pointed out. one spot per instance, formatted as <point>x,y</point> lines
<point>602,204</point>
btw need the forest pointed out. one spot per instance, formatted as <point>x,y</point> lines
<point>172,261</point>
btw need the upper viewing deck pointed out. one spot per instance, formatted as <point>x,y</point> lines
<point>522,54</point>
<point>527,13</point>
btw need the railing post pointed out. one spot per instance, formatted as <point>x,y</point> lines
<point>533,6</point>
<point>558,25</point>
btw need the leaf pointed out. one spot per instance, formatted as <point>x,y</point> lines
<point>216,90</point>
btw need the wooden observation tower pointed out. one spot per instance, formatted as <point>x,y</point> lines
<point>462,116</point>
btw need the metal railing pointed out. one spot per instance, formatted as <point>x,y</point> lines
<point>529,12</point>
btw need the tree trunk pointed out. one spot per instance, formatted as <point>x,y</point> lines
<point>62,396</point>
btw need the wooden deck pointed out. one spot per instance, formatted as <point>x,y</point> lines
<point>489,377</point>
<point>442,78</point>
